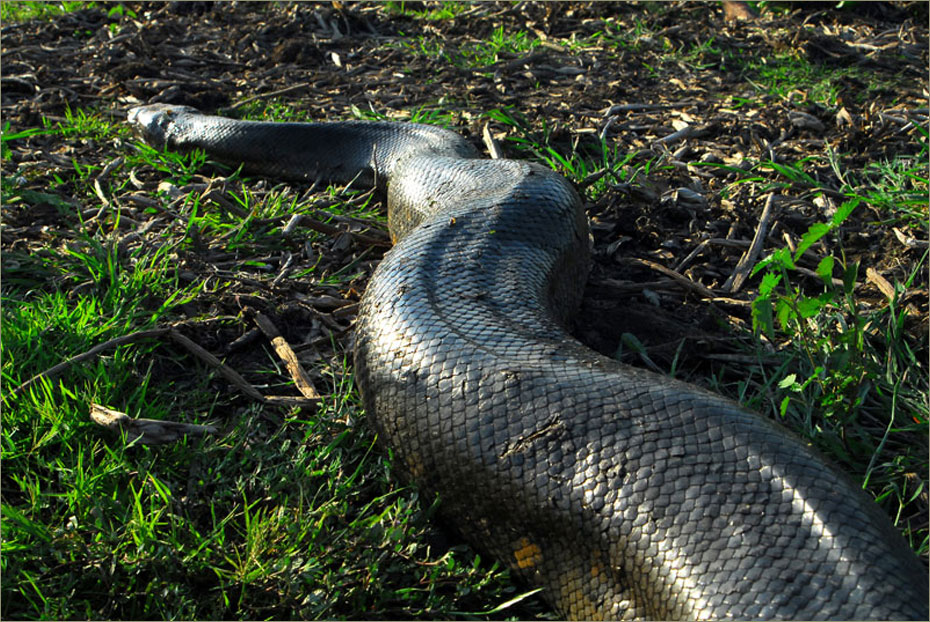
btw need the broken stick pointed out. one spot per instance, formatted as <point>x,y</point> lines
<point>748,260</point>
<point>287,354</point>
<point>148,431</point>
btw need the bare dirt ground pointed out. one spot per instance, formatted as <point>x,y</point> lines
<point>328,58</point>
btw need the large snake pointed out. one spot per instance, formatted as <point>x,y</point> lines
<point>622,493</point>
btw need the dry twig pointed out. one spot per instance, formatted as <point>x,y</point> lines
<point>284,350</point>
<point>494,149</point>
<point>171,331</point>
<point>51,372</point>
<point>322,227</point>
<point>680,278</point>
<point>147,431</point>
<point>270,94</point>
<point>226,371</point>
<point>748,260</point>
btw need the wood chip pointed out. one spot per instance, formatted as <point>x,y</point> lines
<point>876,279</point>
<point>286,353</point>
<point>909,241</point>
<point>494,149</point>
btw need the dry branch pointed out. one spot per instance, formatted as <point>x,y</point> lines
<point>147,431</point>
<point>51,372</point>
<point>171,331</point>
<point>227,372</point>
<point>748,260</point>
<point>494,149</point>
<point>322,227</point>
<point>680,278</point>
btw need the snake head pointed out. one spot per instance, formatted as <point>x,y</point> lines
<point>153,121</point>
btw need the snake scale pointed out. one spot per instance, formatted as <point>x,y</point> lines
<point>622,493</point>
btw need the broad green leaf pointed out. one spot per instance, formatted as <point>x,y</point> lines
<point>814,233</point>
<point>825,270</point>
<point>849,277</point>
<point>809,307</point>
<point>785,312</point>
<point>769,281</point>
<point>783,258</point>
<point>780,258</point>
<point>762,320</point>
<point>844,210</point>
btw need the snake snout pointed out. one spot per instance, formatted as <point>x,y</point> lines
<point>151,121</point>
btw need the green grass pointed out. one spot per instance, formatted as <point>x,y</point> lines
<point>851,372</point>
<point>296,514</point>
<point>845,373</point>
<point>475,55</point>
<point>787,75</point>
<point>594,164</point>
<point>848,374</point>
<point>440,11</point>
<point>12,11</point>
<point>286,513</point>
<point>791,76</point>
<point>895,188</point>
<point>21,10</point>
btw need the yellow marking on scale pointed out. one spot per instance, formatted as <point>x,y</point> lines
<point>527,553</point>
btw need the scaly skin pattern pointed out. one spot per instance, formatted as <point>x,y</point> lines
<point>623,493</point>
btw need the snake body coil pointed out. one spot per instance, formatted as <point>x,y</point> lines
<point>623,493</point>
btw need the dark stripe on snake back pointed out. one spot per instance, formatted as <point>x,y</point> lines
<point>623,493</point>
